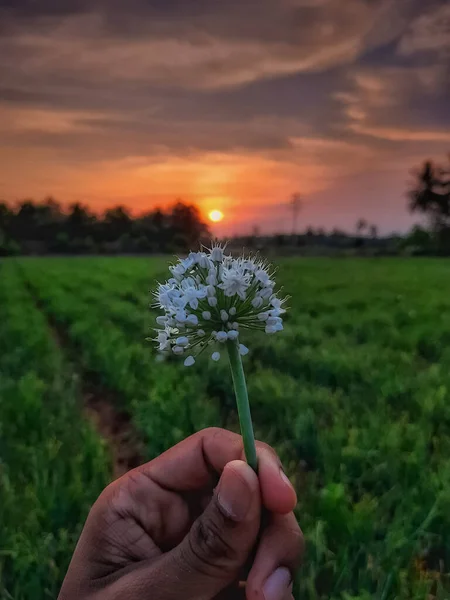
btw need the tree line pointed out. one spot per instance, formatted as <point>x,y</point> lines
<point>430,196</point>
<point>47,228</point>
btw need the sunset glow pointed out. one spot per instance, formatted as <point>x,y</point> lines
<point>107,104</point>
<point>215,216</point>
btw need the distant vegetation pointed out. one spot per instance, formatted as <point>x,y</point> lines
<point>46,228</point>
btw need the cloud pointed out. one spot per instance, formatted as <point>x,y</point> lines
<point>235,104</point>
<point>429,33</point>
<point>215,46</point>
<point>385,103</point>
<point>394,134</point>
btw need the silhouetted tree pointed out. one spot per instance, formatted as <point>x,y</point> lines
<point>186,225</point>
<point>361,226</point>
<point>373,231</point>
<point>44,227</point>
<point>430,194</point>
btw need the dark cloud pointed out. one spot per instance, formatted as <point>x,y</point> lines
<point>329,88</point>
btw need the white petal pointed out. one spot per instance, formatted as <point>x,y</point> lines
<point>263,316</point>
<point>215,356</point>
<point>206,315</point>
<point>262,276</point>
<point>275,302</point>
<point>257,302</point>
<point>233,334</point>
<point>217,254</point>
<point>266,292</point>
<point>202,260</point>
<point>232,310</point>
<point>190,360</point>
<point>182,341</point>
<point>192,320</point>
<point>178,350</point>
<point>224,315</point>
<point>243,350</point>
<point>193,303</point>
<point>162,320</point>
<point>221,336</point>
<point>271,329</point>
<point>212,301</point>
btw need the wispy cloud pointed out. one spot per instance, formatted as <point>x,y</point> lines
<point>236,103</point>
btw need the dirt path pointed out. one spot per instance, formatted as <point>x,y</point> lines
<point>100,405</point>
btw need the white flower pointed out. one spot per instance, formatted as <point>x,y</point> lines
<point>257,302</point>
<point>214,298</point>
<point>263,276</point>
<point>266,292</point>
<point>235,281</point>
<point>192,320</point>
<point>217,254</point>
<point>221,336</point>
<point>212,277</point>
<point>177,271</point>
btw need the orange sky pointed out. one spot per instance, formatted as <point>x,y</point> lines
<point>143,104</point>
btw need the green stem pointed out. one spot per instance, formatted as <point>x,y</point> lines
<point>240,389</point>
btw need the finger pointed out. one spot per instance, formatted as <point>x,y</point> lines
<point>198,461</point>
<point>277,492</point>
<point>278,555</point>
<point>212,554</point>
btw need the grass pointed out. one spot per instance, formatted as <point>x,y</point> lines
<point>354,395</point>
<point>52,464</point>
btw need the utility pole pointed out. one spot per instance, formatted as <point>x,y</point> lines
<point>296,203</point>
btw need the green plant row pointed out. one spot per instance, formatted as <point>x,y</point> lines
<point>354,395</point>
<point>52,463</point>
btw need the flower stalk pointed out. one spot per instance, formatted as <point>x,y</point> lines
<point>211,301</point>
<point>243,405</point>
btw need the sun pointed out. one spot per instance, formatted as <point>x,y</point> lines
<point>215,215</point>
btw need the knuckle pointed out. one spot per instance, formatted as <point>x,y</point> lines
<point>208,546</point>
<point>211,431</point>
<point>263,447</point>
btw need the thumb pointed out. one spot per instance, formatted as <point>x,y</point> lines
<point>218,544</point>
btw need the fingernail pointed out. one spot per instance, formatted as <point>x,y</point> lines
<point>277,584</point>
<point>234,494</point>
<point>285,478</point>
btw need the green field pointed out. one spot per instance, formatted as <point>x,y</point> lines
<point>354,395</point>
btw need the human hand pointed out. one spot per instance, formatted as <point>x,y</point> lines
<point>164,531</point>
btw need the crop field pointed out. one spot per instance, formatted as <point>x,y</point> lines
<point>354,395</point>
